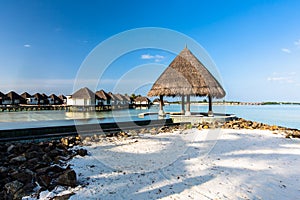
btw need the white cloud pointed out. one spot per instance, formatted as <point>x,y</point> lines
<point>297,43</point>
<point>147,56</point>
<point>157,58</point>
<point>27,45</point>
<point>286,50</point>
<point>283,77</point>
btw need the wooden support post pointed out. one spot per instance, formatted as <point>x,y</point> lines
<point>182,105</point>
<point>210,111</point>
<point>188,106</point>
<point>161,106</point>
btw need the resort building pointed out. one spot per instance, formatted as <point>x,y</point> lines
<point>54,100</point>
<point>12,98</point>
<point>186,76</point>
<point>1,97</point>
<point>83,97</point>
<point>63,98</point>
<point>38,99</point>
<point>142,102</point>
<point>45,98</point>
<point>128,99</point>
<point>122,99</point>
<point>102,98</point>
<point>82,100</point>
<point>69,100</point>
<point>28,98</point>
<point>115,100</point>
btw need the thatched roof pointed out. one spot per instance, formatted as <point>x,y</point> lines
<point>54,97</point>
<point>12,96</point>
<point>114,97</point>
<point>2,95</point>
<point>38,96</point>
<point>101,94</point>
<point>127,98</point>
<point>186,75</point>
<point>121,97</point>
<point>25,95</point>
<point>62,97</point>
<point>45,96</point>
<point>84,93</point>
<point>140,99</point>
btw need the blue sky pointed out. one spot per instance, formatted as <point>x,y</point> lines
<point>255,44</point>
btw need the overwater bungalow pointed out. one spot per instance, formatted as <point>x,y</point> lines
<point>83,97</point>
<point>186,76</point>
<point>12,98</point>
<point>63,98</point>
<point>54,100</point>
<point>38,99</point>
<point>1,97</point>
<point>46,99</point>
<point>128,99</point>
<point>142,102</point>
<point>103,98</point>
<point>115,100</point>
<point>122,99</point>
<point>28,98</point>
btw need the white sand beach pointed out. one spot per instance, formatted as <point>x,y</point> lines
<point>189,164</point>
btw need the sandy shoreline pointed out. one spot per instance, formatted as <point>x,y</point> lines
<point>189,164</point>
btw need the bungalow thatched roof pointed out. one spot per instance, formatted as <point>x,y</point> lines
<point>38,96</point>
<point>54,97</point>
<point>121,97</point>
<point>45,96</point>
<point>186,75</point>
<point>114,97</point>
<point>25,95</point>
<point>84,93</point>
<point>62,97</point>
<point>140,99</point>
<point>127,98</point>
<point>12,96</point>
<point>2,95</point>
<point>101,94</point>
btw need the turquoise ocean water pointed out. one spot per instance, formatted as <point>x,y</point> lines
<point>282,115</point>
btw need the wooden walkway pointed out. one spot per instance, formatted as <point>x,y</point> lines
<point>97,108</point>
<point>17,108</point>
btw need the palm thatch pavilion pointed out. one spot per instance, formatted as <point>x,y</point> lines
<point>186,76</point>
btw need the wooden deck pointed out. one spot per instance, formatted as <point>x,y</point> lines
<point>17,108</point>
<point>74,108</point>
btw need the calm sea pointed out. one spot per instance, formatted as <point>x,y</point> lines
<point>283,115</point>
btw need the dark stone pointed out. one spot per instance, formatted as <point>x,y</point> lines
<point>3,169</point>
<point>47,158</point>
<point>68,178</point>
<point>33,154</point>
<point>81,152</point>
<point>5,180</point>
<point>21,193</point>
<point>44,180</point>
<point>63,197</point>
<point>39,165</point>
<point>35,147</point>
<point>29,187</point>
<point>11,148</point>
<point>55,171</point>
<point>13,187</point>
<point>18,159</point>
<point>53,153</point>
<point>22,177</point>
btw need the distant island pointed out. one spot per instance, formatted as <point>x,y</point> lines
<point>240,103</point>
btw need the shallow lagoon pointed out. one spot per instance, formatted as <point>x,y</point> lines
<point>283,115</point>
